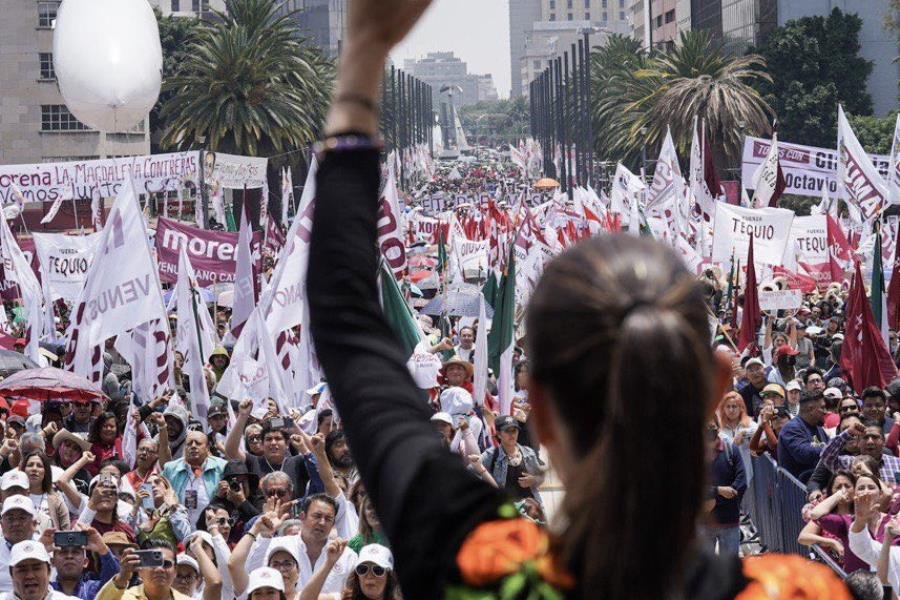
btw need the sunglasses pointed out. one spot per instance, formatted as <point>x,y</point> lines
<point>279,493</point>
<point>223,521</point>
<point>254,438</point>
<point>376,570</point>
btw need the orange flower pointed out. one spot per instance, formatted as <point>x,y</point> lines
<point>788,577</point>
<point>499,548</point>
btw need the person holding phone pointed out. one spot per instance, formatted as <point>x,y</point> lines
<point>166,518</point>
<point>155,564</point>
<point>70,560</point>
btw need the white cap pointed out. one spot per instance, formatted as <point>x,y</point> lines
<point>97,478</point>
<point>316,389</point>
<point>184,559</point>
<point>442,417</point>
<point>14,478</point>
<point>833,393</point>
<point>754,361</point>
<point>377,554</point>
<point>284,543</point>
<point>838,337</point>
<point>424,368</point>
<point>456,401</point>
<point>264,577</point>
<point>203,535</point>
<point>28,550</point>
<point>18,502</point>
<point>793,386</point>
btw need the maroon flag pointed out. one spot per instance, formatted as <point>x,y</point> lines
<point>865,359</point>
<point>752,318</point>
<point>893,294</point>
<point>839,249</point>
<point>709,169</point>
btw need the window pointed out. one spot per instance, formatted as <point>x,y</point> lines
<point>670,16</point>
<point>587,16</point>
<point>176,5</point>
<point>200,5</point>
<point>659,20</point>
<point>571,16</point>
<point>621,3</point>
<point>537,65</point>
<point>552,4</point>
<point>552,17</point>
<point>604,19</point>
<point>46,14</point>
<point>603,4</point>
<point>46,61</point>
<point>621,15</point>
<point>568,3</point>
<point>587,3</point>
<point>56,117</point>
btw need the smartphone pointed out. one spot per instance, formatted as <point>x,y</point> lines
<point>276,423</point>
<point>69,539</point>
<point>289,423</point>
<point>147,501</point>
<point>149,558</point>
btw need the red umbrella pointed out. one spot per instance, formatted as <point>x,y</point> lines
<point>49,383</point>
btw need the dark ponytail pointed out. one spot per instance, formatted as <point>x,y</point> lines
<point>620,342</point>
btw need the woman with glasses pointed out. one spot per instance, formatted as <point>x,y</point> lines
<point>372,578</point>
<point>105,439</point>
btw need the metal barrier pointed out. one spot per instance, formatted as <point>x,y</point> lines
<point>765,515</point>
<point>792,496</point>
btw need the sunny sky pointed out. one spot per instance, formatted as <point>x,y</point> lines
<point>476,30</point>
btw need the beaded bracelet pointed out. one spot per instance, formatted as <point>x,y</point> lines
<point>346,143</point>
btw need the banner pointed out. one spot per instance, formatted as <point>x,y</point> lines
<point>233,172</point>
<point>780,300</point>
<point>807,169</point>
<point>46,182</point>
<point>770,228</point>
<point>808,248</point>
<point>65,260</point>
<point>859,183</point>
<point>213,253</point>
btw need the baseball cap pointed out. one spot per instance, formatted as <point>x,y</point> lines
<point>316,389</point>
<point>505,422</point>
<point>283,543</point>
<point>442,417</point>
<point>456,401</point>
<point>376,554</point>
<point>838,337</point>
<point>28,550</point>
<point>18,502</point>
<point>217,410</point>
<point>264,577</point>
<point>793,386</point>
<point>14,478</point>
<point>184,559</point>
<point>833,393</point>
<point>773,388</point>
<point>786,349</point>
<point>754,361</point>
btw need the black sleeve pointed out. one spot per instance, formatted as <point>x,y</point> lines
<point>819,479</point>
<point>424,496</point>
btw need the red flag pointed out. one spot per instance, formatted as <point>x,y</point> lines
<point>893,294</point>
<point>864,357</point>
<point>752,318</point>
<point>838,249</point>
<point>709,169</point>
<point>796,281</point>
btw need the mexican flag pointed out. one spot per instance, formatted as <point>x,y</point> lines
<point>501,341</point>
<point>397,312</point>
<point>878,299</point>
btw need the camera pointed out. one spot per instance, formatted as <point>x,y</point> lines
<point>69,539</point>
<point>149,558</point>
<point>235,485</point>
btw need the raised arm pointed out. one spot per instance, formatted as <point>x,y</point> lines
<point>313,587</point>
<point>212,589</point>
<point>233,439</point>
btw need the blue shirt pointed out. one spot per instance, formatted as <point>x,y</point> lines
<point>88,587</point>
<point>799,447</point>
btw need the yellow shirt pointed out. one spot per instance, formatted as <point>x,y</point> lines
<point>110,592</point>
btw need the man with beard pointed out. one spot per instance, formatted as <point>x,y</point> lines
<point>801,441</point>
<point>156,581</point>
<point>29,569</point>
<point>196,476</point>
<point>338,452</point>
<point>70,563</point>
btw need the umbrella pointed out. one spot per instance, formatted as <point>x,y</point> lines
<point>457,303</point>
<point>49,383</point>
<point>546,183</point>
<point>13,362</point>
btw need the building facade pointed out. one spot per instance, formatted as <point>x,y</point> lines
<point>35,125</point>
<point>322,22</point>
<point>445,70</point>
<point>876,43</point>
<point>522,15</point>
<point>487,91</point>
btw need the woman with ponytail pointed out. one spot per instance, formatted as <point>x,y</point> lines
<point>622,384</point>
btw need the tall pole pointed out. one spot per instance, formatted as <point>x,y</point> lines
<point>567,136</point>
<point>588,129</point>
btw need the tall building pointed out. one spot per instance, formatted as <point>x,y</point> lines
<point>487,91</point>
<point>876,43</point>
<point>522,15</point>
<point>661,17</point>
<point>322,22</point>
<point>188,8</point>
<point>737,24</point>
<point>446,70</point>
<point>35,125</point>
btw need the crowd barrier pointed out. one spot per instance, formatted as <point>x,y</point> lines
<point>774,500</point>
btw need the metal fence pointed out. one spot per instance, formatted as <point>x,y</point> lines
<point>774,500</point>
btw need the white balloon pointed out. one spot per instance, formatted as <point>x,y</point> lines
<point>108,61</point>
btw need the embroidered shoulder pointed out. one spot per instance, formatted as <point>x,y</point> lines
<point>506,558</point>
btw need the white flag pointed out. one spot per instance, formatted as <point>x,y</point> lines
<point>196,334</point>
<point>704,200</point>
<point>667,179</point>
<point>244,285</point>
<point>859,183</point>
<point>147,349</point>
<point>287,194</point>
<point>768,183</point>
<point>481,354</point>
<point>390,233</point>
<point>121,289</point>
<point>893,179</point>
<point>19,270</point>
<point>64,261</point>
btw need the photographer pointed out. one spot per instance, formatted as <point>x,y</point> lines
<point>156,580</point>
<point>70,560</point>
<point>167,519</point>
<point>233,493</point>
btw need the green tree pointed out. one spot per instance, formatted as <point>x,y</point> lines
<point>875,133</point>
<point>496,122</point>
<point>638,95</point>
<point>247,85</point>
<point>815,64</point>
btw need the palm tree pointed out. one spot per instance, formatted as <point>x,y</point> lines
<point>248,85</point>
<point>699,80</point>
